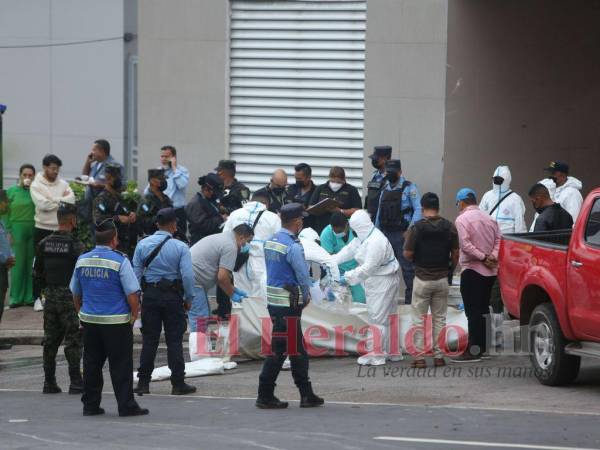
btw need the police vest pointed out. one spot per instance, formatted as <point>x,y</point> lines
<point>433,244</point>
<point>392,217</point>
<point>373,193</point>
<point>60,256</point>
<point>279,272</point>
<point>104,301</point>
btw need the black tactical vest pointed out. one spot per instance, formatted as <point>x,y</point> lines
<point>433,244</point>
<point>60,257</point>
<point>373,194</point>
<point>391,215</point>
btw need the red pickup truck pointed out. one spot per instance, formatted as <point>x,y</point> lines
<point>551,282</point>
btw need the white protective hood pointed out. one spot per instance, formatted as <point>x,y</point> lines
<point>504,172</point>
<point>510,212</point>
<point>313,252</point>
<point>362,224</point>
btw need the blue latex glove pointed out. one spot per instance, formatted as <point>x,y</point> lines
<point>240,292</point>
<point>237,297</point>
<point>343,281</point>
<point>331,296</point>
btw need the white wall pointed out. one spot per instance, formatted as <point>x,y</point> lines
<point>60,99</point>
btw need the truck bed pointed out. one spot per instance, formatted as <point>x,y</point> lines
<point>558,239</point>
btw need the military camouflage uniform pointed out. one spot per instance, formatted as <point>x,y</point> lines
<point>108,205</point>
<point>234,197</point>
<point>146,213</point>
<point>56,256</point>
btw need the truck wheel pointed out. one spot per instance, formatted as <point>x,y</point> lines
<point>553,367</point>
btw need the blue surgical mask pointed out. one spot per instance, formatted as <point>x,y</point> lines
<point>340,235</point>
<point>245,248</point>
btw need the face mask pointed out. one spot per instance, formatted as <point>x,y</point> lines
<point>245,248</point>
<point>300,184</point>
<point>392,177</point>
<point>498,181</point>
<point>375,163</point>
<point>117,184</point>
<point>335,186</point>
<point>27,182</point>
<point>278,190</point>
<point>163,185</point>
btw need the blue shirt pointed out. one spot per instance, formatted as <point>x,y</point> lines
<point>177,182</point>
<point>5,249</point>
<point>295,258</point>
<point>334,244</point>
<point>126,275</point>
<point>410,196</point>
<point>378,176</point>
<point>173,262</point>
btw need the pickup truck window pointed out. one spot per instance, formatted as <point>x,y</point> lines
<point>592,229</point>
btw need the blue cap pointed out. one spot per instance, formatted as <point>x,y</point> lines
<point>292,211</point>
<point>464,194</point>
<point>165,216</point>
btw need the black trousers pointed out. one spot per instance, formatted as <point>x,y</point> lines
<point>280,346</point>
<point>160,308</point>
<point>476,290</point>
<point>38,235</point>
<point>223,303</point>
<point>181,220</point>
<point>114,342</point>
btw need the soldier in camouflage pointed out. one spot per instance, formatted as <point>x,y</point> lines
<point>110,204</point>
<point>55,260</point>
<point>153,201</point>
<point>235,194</point>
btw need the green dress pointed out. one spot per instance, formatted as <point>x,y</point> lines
<point>20,223</point>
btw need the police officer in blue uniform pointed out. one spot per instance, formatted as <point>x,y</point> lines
<point>288,284</point>
<point>106,295</point>
<point>399,208</point>
<point>163,265</point>
<point>380,155</point>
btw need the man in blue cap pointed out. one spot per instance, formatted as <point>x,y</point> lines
<point>399,208</point>
<point>163,265</point>
<point>105,294</point>
<point>479,240</point>
<point>380,155</point>
<point>288,284</point>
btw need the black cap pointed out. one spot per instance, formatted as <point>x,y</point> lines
<point>393,164</point>
<point>226,164</point>
<point>212,179</point>
<point>106,225</point>
<point>165,216</point>
<point>557,166</point>
<point>113,169</point>
<point>155,173</point>
<point>381,151</point>
<point>292,211</point>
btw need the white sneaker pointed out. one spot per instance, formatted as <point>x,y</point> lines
<point>371,360</point>
<point>395,358</point>
<point>378,360</point>
<point>287,364</point>
<point>38,305</point>
<point>364,360</point>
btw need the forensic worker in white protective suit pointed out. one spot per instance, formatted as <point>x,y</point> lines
<point>504,205</point>
<point>378,270</point>
<point>252,276</point>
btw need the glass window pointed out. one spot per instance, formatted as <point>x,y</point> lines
<point>592,229</point>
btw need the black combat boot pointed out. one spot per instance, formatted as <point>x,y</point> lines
<point>267,400</point>
<point>308,399</point>
<point>50,386</point>
<point>143,387</point>
<point>182,389</point>
<point>76,386</point>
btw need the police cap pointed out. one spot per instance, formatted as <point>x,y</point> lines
<point>558,166</point>
<point>106,225</point>
<point>155,173</point>
<point>165,216</point>
<point>292,211</point>
<point>212,179</point>
<point>226,164</point>
<point>393,165</point>
<point>112,169</point>
<point>381,151</point>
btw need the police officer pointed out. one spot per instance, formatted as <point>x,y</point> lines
<point>380,155</point>
<point>154,200</point>
<point>203,213</point>
<point>303,190</point>
<point>235,194</point>
<point>276,191</point>
<point>164,267</point>
<point>55,260</point>
<point>109,204</point>
<point>399,207</point>
<point>288,283</point>
<point>106,295</point>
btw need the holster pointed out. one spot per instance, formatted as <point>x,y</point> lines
<point>294,296</point>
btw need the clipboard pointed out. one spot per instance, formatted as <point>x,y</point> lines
<point>325,206</point>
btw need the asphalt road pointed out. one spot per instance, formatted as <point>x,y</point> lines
<point>495,404</point>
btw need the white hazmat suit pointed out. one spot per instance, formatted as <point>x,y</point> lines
<point>313,252</point>
<point>568,195</point>
<point>510,213</point>
<point>378,270</point>
<point>252,277</point>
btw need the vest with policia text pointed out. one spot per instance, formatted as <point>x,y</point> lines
<point>59,253</point>
<point>279,272</point>
<point>392,217</point>
<point>433,244</point>
<point>103,298</point>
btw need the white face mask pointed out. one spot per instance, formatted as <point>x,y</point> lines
<point>335,186</point>
<point>26,182</point>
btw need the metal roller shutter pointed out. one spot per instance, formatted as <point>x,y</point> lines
<point>297,72</point>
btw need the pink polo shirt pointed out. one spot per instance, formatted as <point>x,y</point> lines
<point>479,236</point>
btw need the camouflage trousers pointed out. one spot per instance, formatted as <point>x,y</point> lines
<point>60,324</point>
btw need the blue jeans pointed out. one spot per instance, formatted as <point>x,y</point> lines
<point>199,312</point>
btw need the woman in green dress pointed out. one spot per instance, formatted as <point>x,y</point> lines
<point>20,223</point>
